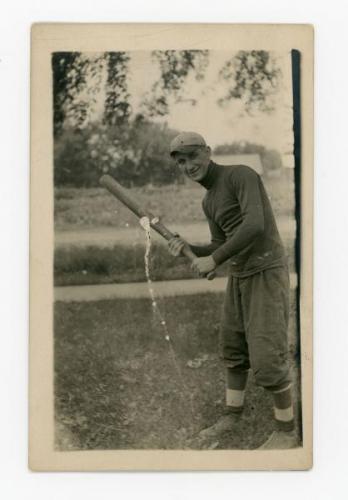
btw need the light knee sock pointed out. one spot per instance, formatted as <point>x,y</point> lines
<point>283,409</point>
<point>235,389</point>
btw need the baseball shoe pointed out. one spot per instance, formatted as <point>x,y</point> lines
<point>225,423</point>
<point>280,440</point>
<point>208,437</point>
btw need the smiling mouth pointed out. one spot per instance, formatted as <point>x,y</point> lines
<point>193,172</point>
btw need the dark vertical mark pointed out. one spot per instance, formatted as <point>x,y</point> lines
<point>296,93</point>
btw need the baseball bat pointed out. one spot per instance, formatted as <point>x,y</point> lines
<point>123,195</point>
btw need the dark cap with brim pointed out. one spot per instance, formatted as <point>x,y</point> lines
<point>186,142</point>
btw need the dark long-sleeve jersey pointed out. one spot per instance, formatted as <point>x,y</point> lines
<point>241,221</point>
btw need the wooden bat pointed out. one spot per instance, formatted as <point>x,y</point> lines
<point>123,195</point>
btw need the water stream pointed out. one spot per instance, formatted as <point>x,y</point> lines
<point>145,224</point>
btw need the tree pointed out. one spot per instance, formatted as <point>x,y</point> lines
<point>73,73</point>
<point>133,147</point>
<point>175,67</point>
<point>252,77</point>
<point>117,108</point>
<point>135,154</point>
<point>249,76</point>
<point>239,148</point>
<point>68,79</point>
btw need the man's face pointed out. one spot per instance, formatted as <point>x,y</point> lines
<point>194,164</point>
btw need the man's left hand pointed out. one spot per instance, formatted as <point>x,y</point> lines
<point>204,265</point>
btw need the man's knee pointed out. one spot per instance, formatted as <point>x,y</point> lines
<point>271,372</point>
<point>233,347</point>
<point>235,356</point>
<point>236,365</point>
<point>269,358</point>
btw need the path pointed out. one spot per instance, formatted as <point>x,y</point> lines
<point>108,236</point>
<point>92,293</point>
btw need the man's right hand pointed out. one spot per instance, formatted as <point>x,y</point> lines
<point>176,245</point>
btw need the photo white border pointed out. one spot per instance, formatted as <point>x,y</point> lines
<point>47,38</point>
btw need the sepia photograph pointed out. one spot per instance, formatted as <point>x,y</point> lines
<point>176,248</point>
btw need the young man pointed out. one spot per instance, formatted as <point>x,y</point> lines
<point>255,318</point>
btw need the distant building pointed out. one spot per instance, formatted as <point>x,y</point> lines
<point>251,160</point>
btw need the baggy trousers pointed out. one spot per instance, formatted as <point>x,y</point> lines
<point>254,326</point>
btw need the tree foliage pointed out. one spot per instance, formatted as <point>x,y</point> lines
<point>133,147</point>
<point>69,78</point>
<point>175,67</point>
<point>77,80</point>
<point>117,108</point>
<point>252,76</point>
<point>249,76</point>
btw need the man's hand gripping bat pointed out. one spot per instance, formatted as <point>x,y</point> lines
<point>122,194</point>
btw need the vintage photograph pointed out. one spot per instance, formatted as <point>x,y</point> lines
<point>177,249</point>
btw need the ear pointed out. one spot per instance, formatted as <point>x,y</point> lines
<point>208,150</point>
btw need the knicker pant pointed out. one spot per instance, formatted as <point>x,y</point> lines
<point>254,326</point>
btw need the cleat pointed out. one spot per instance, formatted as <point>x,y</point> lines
<point>280,440</point>
<point>226,423</point>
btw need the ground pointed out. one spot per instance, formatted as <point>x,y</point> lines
<point>98,240</point>
<point>118,385</point>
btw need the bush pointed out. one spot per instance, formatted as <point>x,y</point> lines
<point>136,154</point>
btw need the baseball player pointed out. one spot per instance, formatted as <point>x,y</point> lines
<point>256,308</point>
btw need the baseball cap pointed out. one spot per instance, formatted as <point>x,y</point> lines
<point>186,142</point>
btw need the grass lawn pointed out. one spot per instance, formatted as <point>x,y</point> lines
<point>125,264</point>
<point>77,209</point>
<point>95,207</point>
<point>119,386</point>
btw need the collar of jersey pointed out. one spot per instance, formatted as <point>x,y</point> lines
<point>210,177</point>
